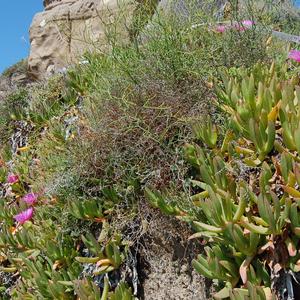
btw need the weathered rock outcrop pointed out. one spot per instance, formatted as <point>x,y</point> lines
<point>13,78</point>
<point>67,28</point>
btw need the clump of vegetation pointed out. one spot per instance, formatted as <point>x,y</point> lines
<point>247,180</point>
<point>78,152</point>
<point>14,105</point>
<point>18,68</point>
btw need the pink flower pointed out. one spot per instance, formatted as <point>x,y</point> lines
<point>294,55</point>
<point>24,216</point>
<point>30,198</point>
<point>247,23</point>
<point>12,178</point>
<point>244,25</point>
<point>221,28</point>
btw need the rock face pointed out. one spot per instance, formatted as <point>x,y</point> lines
<point>13,78</point>
<point>67,28</point>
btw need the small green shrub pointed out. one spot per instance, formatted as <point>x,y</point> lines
<point>137,100</point>
<point>14,106</point>
<point>19,67</point>
<point>46,100</point>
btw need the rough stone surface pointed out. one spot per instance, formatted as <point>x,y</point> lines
<point>170,275</point>
<point>13,77</point>
<point>67,28</point>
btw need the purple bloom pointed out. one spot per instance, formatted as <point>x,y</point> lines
<point>30,198</point>
<point>24,215</point>
<point>12,178</point>
<point>294,55</point>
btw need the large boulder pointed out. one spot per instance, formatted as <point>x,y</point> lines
<point>67,28</point>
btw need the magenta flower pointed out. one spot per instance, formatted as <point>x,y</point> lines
<point>30,198</point>
<point>247,23</point>
<point>221,28</point>
<point>12,178</point>
<point>24,216</point>
<point>244,25</point>
<point>294,55</point>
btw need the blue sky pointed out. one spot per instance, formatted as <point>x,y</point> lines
<point>15,19</point>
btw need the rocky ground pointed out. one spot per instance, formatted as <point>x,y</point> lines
<point>164,261</point>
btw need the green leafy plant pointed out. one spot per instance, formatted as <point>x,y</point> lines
<point>248,201</point>
<point>88,290</point>
<point>108,257</point>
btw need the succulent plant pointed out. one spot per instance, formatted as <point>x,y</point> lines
<point>107,257</point>
<point>89,209</point>
<point>206,132</point>
<point>49,264</point>
<point>248,184</point>
<point>86,289</point>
